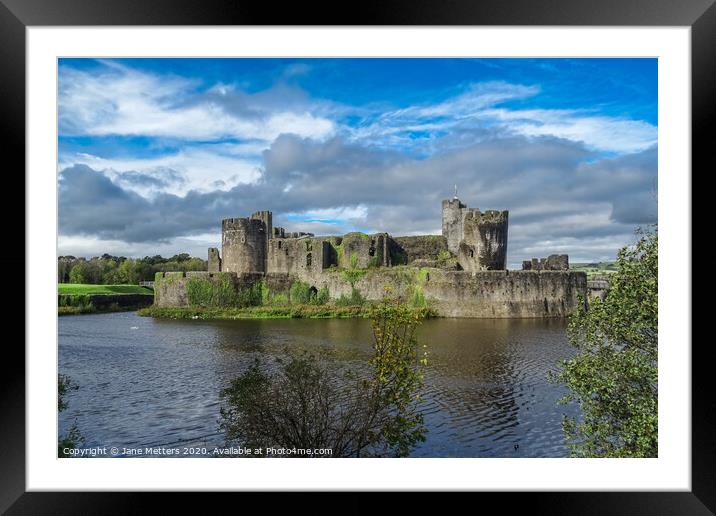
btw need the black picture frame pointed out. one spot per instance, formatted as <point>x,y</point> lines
<point>16,15</point>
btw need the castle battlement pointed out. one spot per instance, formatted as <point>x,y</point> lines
<point>459,273</point>
<point>474,241</point>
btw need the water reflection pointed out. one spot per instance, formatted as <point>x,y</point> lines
<point>146,382</point>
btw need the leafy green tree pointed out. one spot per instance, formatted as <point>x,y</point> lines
<point>64,264</point>
<point>398,376</point>
<point>613,377</point>
<point>127,271</point>
<point>118,270</point>
<point>304,405</point>
<point>77,274</point>
<point>73,438</point>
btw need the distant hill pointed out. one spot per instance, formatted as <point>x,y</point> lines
<point>595,268</point>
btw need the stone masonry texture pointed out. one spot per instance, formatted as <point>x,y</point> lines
<point>460,273</point>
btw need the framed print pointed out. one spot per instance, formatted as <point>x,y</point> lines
<point>425,245</point>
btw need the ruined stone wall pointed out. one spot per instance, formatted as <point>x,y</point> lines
<point>214,260</point>
<point>452,216</point>
<point>363,250</point>
<point>279,232</point>
<point>266,217</point>
<point>279,282</point>
<point>489,294</point>
<point>554,262</point>
<point>299,256</point>
<point>424,247</point>
<point>170,288</point>
<point>506,294</point>
<point>484,244</point>
<point>105,301</point>
<point>243,245</point>
<point>598,287</point>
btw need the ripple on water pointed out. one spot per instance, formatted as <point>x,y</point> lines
<point>486,392</point>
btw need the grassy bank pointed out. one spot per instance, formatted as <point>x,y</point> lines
<point>75,310</point>
<point>91,309</point>
<point>261,312</point>
<point>257,312</point>
<point>74,299</point>
<point>77,289</point>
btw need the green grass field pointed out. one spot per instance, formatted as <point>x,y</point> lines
<point>595,269</point>
<point>76,289</point>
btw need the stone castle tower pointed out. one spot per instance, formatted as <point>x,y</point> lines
<point>244,243</point>
<point>479,240</point>
<point>253,245</point>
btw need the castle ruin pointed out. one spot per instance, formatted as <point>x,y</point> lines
<point>461,272</point>
<point>476,241</point>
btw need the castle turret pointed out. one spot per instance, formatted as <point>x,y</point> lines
<point>266,217</point>
<point>452,222</point>
<point>243,245</point>
<point>479,240</point>
<point>484,243</point>
<point>214,260</point>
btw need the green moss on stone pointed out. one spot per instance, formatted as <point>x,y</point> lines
<point>422,276</point>
<point>353,276</point>
<point>217,292</point>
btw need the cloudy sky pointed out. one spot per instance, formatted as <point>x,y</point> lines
<point>153,153</point>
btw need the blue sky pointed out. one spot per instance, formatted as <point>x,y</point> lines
<point>154,152</point>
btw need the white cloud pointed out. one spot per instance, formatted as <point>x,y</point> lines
<point>296,69</point>
<point>123,101</point>
<point>201,169</point>
<point>386,169</point>
<point>441,116</point>
<point>477,107</point>
<point>301,124</point>
<point>476,98</point>
<point>601,133</point>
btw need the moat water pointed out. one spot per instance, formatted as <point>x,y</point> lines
<point>147,382</point>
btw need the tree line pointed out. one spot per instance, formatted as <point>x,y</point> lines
<point>120,270</point>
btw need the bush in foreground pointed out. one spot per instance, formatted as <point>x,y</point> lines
<point>305,405</point>
<point>73,438</point>
<point>613,378</point>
